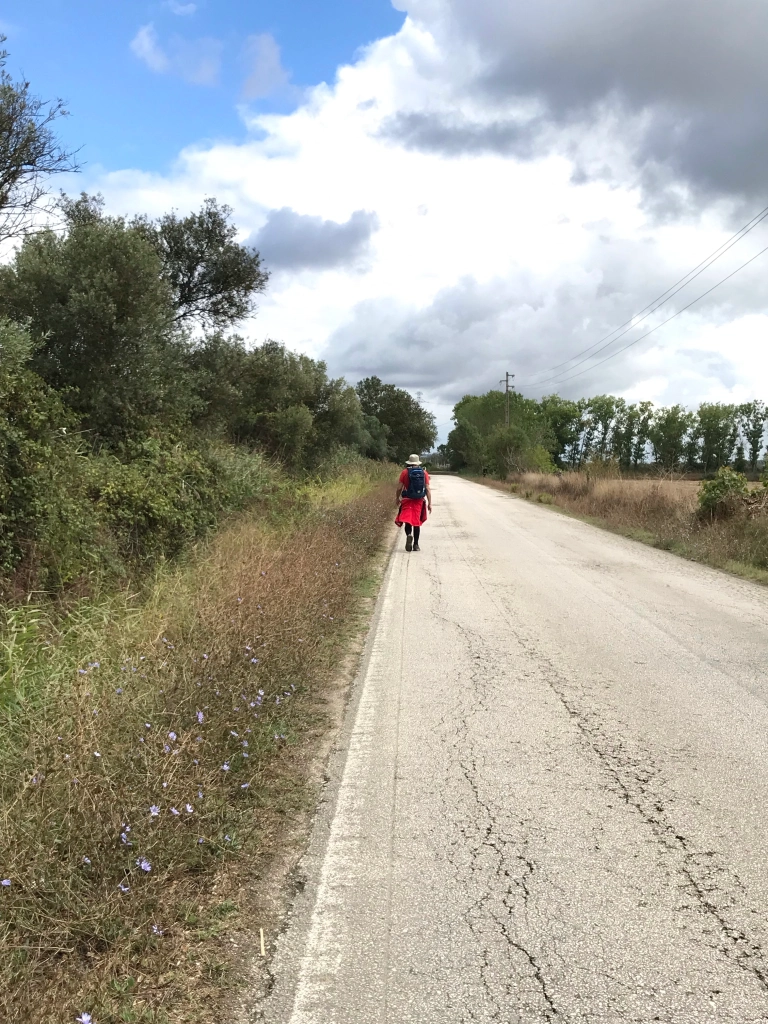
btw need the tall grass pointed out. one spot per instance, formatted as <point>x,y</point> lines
<point>142,748</point>
<point>663,512</point>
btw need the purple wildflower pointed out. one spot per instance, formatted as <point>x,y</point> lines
<point>225,767</point>
<point>86,860</point>
<point>172,736</point>
<point>144,864</point>
<point>119,690</point>
<point>156,930</point>
<point>189,808</point>
<point>245,785</point>
<point>123,888</point>
<point>154,810</point>
<point>6,882</point>
<point>84,1018</point>
<point>174,812</point>
<point>200,717</point>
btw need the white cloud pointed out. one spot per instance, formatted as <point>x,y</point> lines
<point>183,10</point>
<point>265,72</point>
<point>485,257</point>
<point>146,46</point>
<point>196,60</point>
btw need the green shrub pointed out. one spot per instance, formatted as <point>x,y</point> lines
<point>719,497</point>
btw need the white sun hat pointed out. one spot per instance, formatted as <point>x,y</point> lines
<point>413,460</point>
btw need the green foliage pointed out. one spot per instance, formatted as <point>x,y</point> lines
<point>606,430</point>
<point>668,433</point>
<point>481,440</point>
<point>718,430</point>
<point>95,296</point>
<point>164,498</point>
<point>753,418</point>
<point>411,428</point>
<point>213,279</point>
<point>38,459</point>
<point>719,497</point>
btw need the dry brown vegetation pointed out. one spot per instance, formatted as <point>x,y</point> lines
<point>663,512</point>
<point>150,754</point>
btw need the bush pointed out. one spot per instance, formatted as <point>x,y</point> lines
<point>720,498</point>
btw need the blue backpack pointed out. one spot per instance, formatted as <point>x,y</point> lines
<point>417,483</point>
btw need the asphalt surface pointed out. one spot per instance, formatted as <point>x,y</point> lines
<point>550,799</point>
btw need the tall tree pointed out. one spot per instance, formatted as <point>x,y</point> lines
<point>669,434</point>
<point>30,152</point>
<point>411,427</point>
<point>565,420</point>
<point>753,417</point>
<point>213,278</point>
<point>718,428</point>
<point>94,294</point>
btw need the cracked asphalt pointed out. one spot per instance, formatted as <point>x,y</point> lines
<point>549,799</point>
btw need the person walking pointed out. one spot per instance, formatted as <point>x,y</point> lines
<point>414,498</point>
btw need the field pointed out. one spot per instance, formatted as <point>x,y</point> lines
<point>157,753</point>
<point>661,512</point>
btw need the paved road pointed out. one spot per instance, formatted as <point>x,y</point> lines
<point>551,799</point>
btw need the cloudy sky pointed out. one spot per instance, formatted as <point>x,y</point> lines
<point>448,189</point>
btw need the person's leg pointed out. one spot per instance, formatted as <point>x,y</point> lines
<point>408,537</point>
<point>416,535</point>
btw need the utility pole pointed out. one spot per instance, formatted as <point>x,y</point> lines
<point>507,387</point>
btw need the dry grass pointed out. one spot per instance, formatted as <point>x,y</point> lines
<point>661,512</point>
<point>147,750</point>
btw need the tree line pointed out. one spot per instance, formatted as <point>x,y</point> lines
<point>559,433</point>
<point>130,408</point>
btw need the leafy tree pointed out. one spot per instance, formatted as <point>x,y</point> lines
<point>753,417</point>
<point>512,450</point>
<point>30,153</point>
<point>565,421</point>
<point>94,293</point>
<point>212,277</point>
<point>669,432</point>
<point>465,448</point>
<point>481,437</point>
<point>718,428</point>
<point>411,427</point>
<point>601,414</point>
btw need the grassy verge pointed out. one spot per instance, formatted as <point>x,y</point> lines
<point>662,513</point>
<point>151,749</point>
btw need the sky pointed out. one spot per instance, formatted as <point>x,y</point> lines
<point>446,190</point>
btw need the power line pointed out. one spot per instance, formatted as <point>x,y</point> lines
<point>536,387</point>
<point>655,304</point>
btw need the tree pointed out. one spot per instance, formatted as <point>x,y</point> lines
<point>95,296</point>
<point>601,414</point>
<point>411,427</point>
<point>669,433</point>
<point>465,448</point>
<point>30,153</point>
<point>565,421</point>
<point>718,429</point>
<point>752,418</point>
<point>212,277</point>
